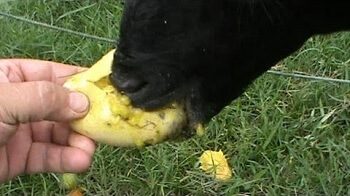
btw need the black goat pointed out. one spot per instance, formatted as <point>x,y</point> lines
<point>208,51</point>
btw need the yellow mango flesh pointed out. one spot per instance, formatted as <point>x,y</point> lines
<point>216,164</point>
<point>113,120</point>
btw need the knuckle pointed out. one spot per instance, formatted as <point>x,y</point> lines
<point>48,94</point>
<point>10,71</point>
<point>5,69</point>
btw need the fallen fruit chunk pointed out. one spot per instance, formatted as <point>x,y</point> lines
<point>69,181</point>
<point>113,120</point>
<point>216,164</point>
<point>76,192</point>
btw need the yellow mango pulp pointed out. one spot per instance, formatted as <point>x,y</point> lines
<point>216,164</point>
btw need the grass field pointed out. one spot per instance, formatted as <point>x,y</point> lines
<point>284,136</point>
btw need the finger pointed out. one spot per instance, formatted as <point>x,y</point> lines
<point>31,156</point>
<point>49,131</point>
<point>36,101</point>
<point>46,157</point>
<point>18,147</point>
<point>19,70</point>
<point>82,142</point>
<point>4,166</point>
<point>3,76</point>
<point>6,132</point>
<point>61,134</point>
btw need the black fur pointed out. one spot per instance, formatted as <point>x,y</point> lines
<point>208,51</point>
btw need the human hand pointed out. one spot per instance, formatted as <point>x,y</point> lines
<point>34,110</point>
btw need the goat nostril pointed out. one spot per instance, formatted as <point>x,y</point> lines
<point>131,85</point>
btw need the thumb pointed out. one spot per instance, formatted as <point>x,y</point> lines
<point>41,100</point>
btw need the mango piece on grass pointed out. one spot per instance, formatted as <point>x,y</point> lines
<point>215,163</point>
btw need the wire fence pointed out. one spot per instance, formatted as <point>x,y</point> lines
<point>112,41</point>
<point>52,27</point>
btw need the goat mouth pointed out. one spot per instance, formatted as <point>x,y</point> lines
<point>170,96</point>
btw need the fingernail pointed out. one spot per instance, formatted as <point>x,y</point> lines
<point>78,102</point>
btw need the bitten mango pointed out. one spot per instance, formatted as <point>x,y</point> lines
<point>113,120</point>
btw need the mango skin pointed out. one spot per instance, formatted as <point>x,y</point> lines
<point>113,120</point>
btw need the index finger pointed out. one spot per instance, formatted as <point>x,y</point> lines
<point>20,70</point>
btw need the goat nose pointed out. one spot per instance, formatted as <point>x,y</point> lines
<point>128,84</point>
<point>131,85</point>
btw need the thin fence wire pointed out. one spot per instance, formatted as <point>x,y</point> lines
<point>61,29</point>
<point>108,40</point>
<point>309,77</point>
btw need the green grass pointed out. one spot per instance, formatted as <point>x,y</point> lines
<point>282,137</point>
